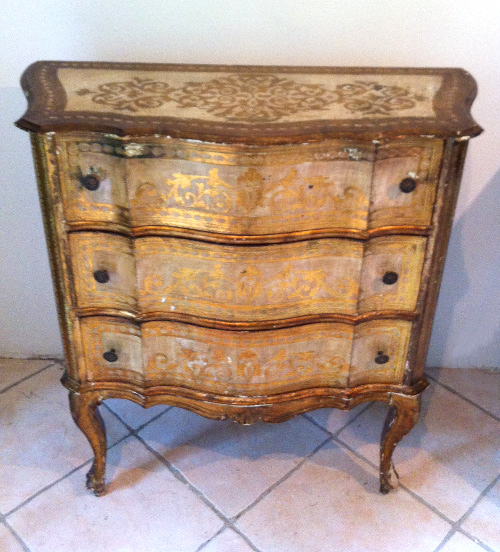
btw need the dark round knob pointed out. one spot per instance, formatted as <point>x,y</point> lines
<point>101,276</point>
<point>90,182</point>
<point>407,185</point>
<point>110,356</point>
<point>381,358</point>
<point>390,278</point>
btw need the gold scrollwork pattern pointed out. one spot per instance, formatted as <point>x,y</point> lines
<point>247,362</point>
<point>254,97</point>
<point>247,198</point>
<point>255,283</point>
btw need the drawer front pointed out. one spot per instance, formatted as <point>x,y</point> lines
<point>379,352</point>
<point>112,350</point>
<point>104,270</point>
<point>222,189</point>
<point>390,278</point>
<point>252,190</point>
<point>249,199</point>
<point>245,363</point>
<point>248,283</point>
<point>390,205</point>
<point>278,281</point>
<point>93,183</point>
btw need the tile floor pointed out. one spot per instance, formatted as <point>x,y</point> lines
<point>181,483</point>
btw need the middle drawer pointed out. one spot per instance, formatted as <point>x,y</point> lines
<point>161,276</point>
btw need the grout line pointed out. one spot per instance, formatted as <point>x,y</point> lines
<point>400,485</point>
<point>337,431</point>
<point>354,418</point>
<point>484,492</point>
<point>47,487</point>
<point>280,480</point>
<point>474,539</point>
<point>17,537</point>
<point>142,426</point>
<point>182,478</point>
<point>29,376</point>
<point>455,525</point>
<point>447,537</point>
<point>225,528</point>
<point>208,541</point>
<point>245,538</point>
<point>451,390</point>
<point>50,485</point>
<point>315,423</point>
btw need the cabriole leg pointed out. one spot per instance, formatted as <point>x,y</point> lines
<point>402,416</point>
<point>88,419</point>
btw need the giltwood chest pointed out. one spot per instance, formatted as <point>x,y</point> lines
<point>246,242</point>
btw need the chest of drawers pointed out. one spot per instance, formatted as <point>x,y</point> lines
<point>246,242</point>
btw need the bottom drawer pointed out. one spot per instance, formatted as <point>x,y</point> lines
<point>245,363</point>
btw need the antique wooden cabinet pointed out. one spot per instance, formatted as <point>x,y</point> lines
<point>246,242</point>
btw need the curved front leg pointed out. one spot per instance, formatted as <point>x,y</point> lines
<point>87,417</point>
<point>400,420</point>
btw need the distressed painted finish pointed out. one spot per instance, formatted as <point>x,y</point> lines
<point>402,255</point>
<point>419,160</point>
<point>249,191</point>
<point>247,282</point>
<point>249,263</point>
<point>155,276</point>
<point>245,363</point>
<point>320,102</point>
<point>112,255</point>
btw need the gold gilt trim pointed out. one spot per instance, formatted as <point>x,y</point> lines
<point>215,237</point>
<point>255,325</point>
<point>50,201</point>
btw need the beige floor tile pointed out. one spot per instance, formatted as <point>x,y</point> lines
<point>231,464</point>
<point>484,521</point>
<point>14,369</point>
<point>146,509</point>
<point>479,386</point>
<point>39,440</point>
<point>8,543</point>
<point>461,543</point>
<point>133,414</point>
<point>227,541</point>
<point>332,503</point>
<point>333,419</point>
<point>448,459</point>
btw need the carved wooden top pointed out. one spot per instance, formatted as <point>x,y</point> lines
<point>248,104</point>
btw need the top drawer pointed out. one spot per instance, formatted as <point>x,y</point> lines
<point>249,190</point>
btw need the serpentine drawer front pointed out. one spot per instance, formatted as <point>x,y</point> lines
<point>246,242</point>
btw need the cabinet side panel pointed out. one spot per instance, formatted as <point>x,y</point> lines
<point>50,200</point>
<point>442,219</point>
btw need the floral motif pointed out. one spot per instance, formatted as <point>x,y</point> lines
<point>254,97</point>
<point>371,98</point>
<point>246,368</point>
<point>211,194</point>
<point>130,95</point>
<point>214,285</point>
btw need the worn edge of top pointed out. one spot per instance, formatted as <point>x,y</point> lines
<point>37,92</point>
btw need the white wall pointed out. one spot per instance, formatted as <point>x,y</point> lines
<point>317,32</point>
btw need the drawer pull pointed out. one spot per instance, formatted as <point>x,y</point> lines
<point>110,356</point>
<point>90,182</point>
<point>381,358</point>
<point>407,185</point>
<point>101,276</point>
<point>390,278</point>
